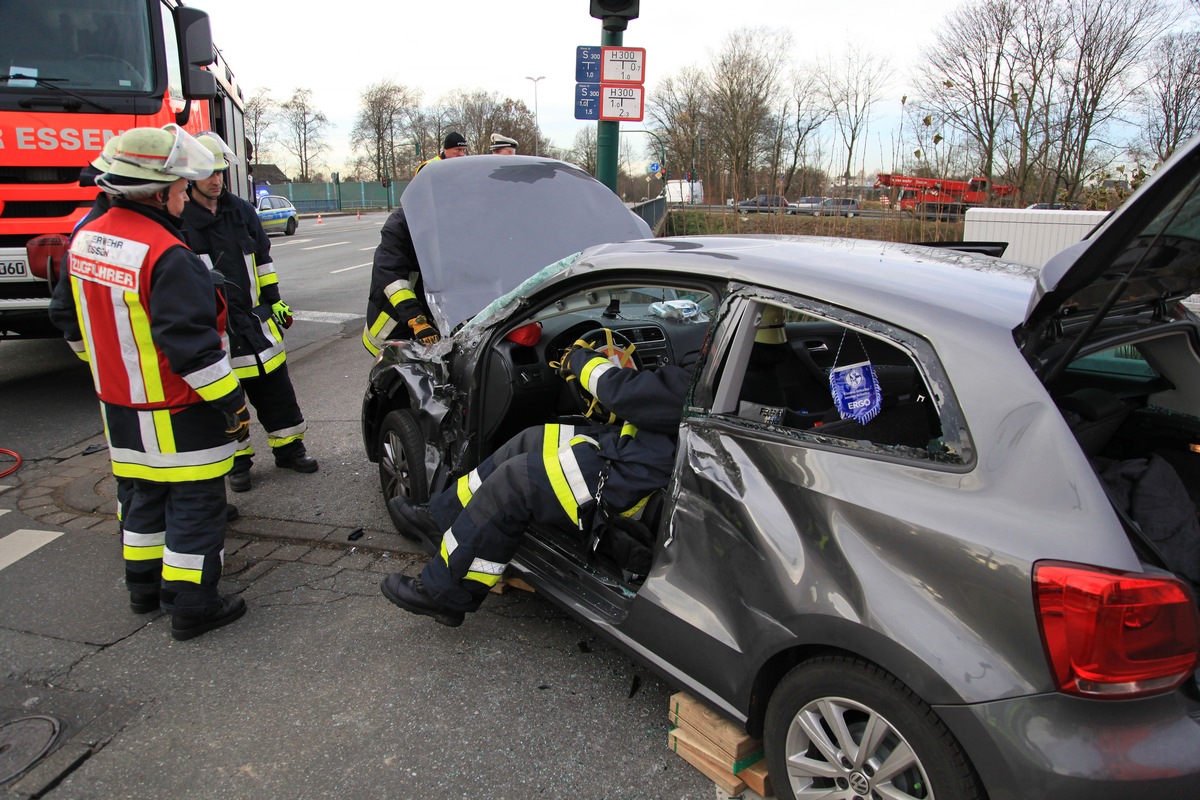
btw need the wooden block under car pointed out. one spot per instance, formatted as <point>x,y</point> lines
<point>511,583</point>
<point>718,755</point>
<point>731,783</point>
<point>756,778</point>
<point>725,736</point>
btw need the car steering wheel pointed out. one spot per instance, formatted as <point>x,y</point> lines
<point>615,347</point>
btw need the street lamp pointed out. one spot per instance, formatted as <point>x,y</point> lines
<point>536,134</point>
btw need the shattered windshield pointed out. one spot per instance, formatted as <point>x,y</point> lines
<point>74,45</point>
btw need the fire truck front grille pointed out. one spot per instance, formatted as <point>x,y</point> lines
<point>48,208</point>
<point>40,175</point>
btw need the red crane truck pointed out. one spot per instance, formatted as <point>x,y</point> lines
<point>941,197</point>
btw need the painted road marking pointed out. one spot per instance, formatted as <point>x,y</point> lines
<point>21,543</point>
<point>275,243</point>
<point>319,246</point>
<point>347,269</point>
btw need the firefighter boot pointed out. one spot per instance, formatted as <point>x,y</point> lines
<point>410,594</point>
<point>415,522</point>
<point>291,457</point>
<point>184,627</point>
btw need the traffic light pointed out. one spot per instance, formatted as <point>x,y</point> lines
<point>385,183</point>
<point>615,14</point>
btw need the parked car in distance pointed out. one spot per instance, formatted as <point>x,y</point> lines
<point>840,207</point>
<point>902,541</point>
<point>277,214</point>
<point>806,205</point>
<point>764,203</point>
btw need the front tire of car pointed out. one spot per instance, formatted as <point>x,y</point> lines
<point>402,458</point>
<point>291,226</point>
<point>845,727</point>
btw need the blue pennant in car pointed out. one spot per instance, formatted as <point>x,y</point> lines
<point>856,393</point>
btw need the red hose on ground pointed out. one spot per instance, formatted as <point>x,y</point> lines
<point>13,468</point>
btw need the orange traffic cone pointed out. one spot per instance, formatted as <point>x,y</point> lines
<point>319,222</point>
<point>358,217</point>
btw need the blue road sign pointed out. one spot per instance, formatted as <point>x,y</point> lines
<point>587,64</point>
<point>654,167</point>
<point>587,100</point>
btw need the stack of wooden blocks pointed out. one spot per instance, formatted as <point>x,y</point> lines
<point>717,747</point>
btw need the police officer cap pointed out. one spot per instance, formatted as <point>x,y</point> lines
<point>454,139</point>
<point>500,142</point>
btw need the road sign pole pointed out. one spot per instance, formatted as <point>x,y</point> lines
<point>608,134</point>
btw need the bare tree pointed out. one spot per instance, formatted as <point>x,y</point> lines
<point>1037,47</point>
<point>261,113</point>
<point>304,132</point>
<point>379,131</point>
<point>851,85</point>
<point>963,75</point>
<point>1108,39</point>
<point>1170,100</point>
<point>808,113</point>
<point>479,114</point>
<point>677,113</point>
<point>743,88</point>
<point>582,152</point>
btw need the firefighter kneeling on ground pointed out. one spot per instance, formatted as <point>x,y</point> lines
<point>550,474</point>
<point>173,409</point>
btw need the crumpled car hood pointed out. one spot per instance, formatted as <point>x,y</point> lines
<point>483,224</point>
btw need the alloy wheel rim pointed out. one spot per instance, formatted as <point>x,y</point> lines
<point>396,468</point>
<point>839,748</point>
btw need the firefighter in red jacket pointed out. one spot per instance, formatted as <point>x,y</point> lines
<point>173,409</point>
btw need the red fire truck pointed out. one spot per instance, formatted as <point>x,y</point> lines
<point>73,74</point>
<point>941,196</point>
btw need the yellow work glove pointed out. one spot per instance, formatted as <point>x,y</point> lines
<point>282,313</point>
<point>237,424</point>
<point>422,331</point>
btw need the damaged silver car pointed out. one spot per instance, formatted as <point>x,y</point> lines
<point>932,529</point>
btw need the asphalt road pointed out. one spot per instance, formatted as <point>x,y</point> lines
<point>323,689</point>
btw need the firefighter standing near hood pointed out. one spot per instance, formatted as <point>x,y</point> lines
<point>172,407</point>
<point>225,232</point>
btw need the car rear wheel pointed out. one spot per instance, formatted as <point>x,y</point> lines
<point>402,458</point>
<point>841,727</point>
<point>291,226</point>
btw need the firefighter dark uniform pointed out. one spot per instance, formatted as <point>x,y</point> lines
<point>551,474</point>
<point>396,302</point>
<point>144,304</point>
<point>232,242</point>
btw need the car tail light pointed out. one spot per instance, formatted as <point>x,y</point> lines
<point>527,335</point>
<point>1115,634</point>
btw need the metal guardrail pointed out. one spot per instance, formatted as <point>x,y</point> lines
<point>652,211</point>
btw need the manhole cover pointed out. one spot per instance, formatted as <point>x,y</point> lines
<point>22,742</point>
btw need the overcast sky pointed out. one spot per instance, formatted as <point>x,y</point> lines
<point>337,48</point>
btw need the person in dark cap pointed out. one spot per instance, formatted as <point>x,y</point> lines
<point>503,145</point>
<point>453,147</point>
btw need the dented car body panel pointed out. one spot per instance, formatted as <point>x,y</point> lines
<point>906,537</point>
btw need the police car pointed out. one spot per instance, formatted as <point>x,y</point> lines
<point>277,214</point>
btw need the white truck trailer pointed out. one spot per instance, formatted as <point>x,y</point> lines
<point>1033,235</point>
<point>687,192</point>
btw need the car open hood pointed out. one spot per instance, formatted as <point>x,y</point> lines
<point>1142,257</point>
<point>483,224</point>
